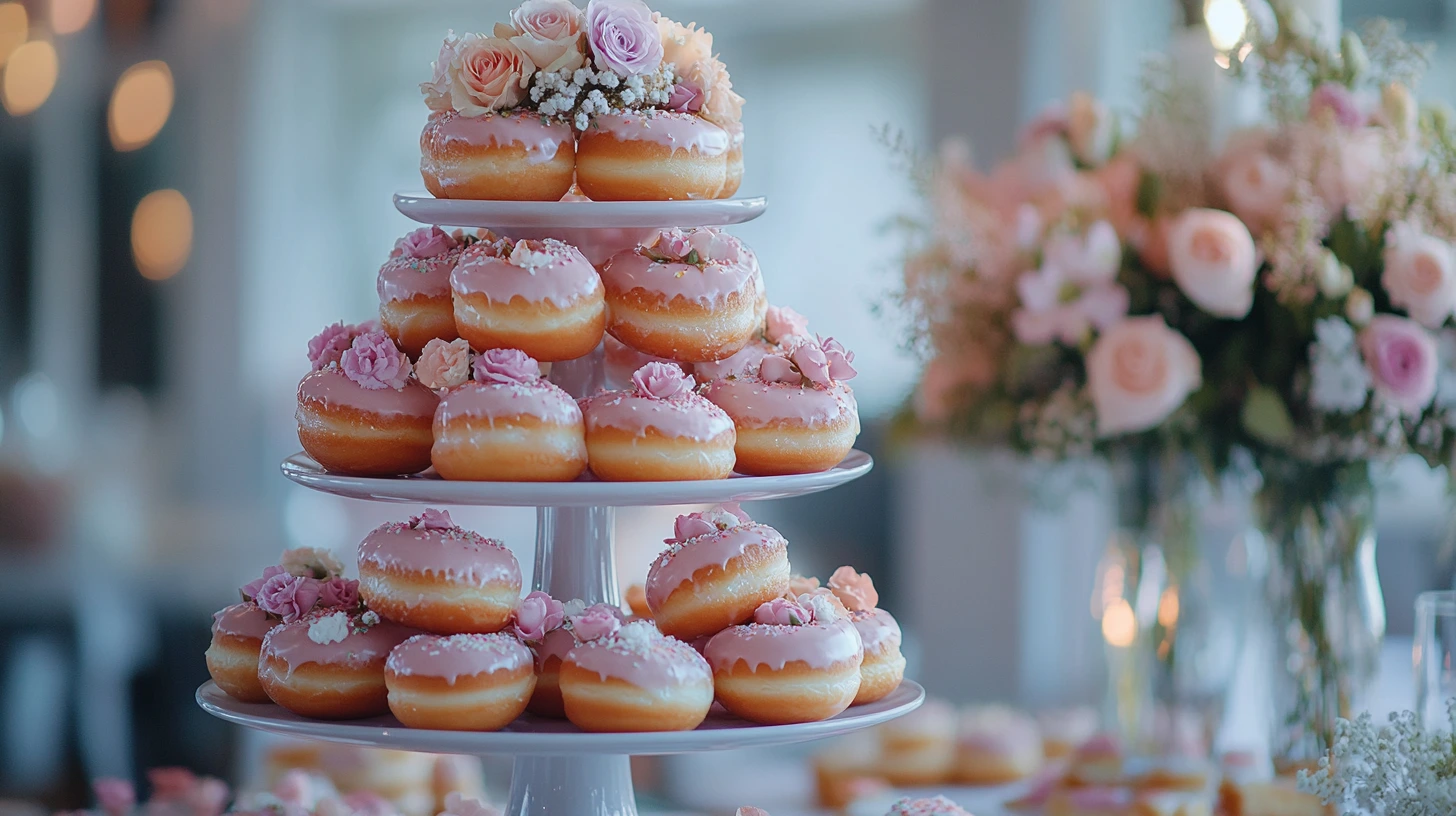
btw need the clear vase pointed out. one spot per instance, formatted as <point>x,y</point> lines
<point>1175,589</point>
<point>1324,600</point>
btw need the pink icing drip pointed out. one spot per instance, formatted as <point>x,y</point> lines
<point>242,620</point>
<point>556,644</point>
<point>876,627</point>
<point>687,416</point>
<point>738,365</point>
<point>562,283</point>
<point>458,555</point>
<point>679,131</point>
<point>543,400</point>
<point>754,403</point>
<point>661,663</point>
<point>678,562</point>
<point>403,277</point>
<point>818,645</point>
<point>332,388</point>
<point>707,286</point>
<point>541,141</point>
<point>290,643</point>
<point>457,656</point>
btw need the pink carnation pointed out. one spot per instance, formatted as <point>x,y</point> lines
<point>425,242</point>
<point>442,364</point>
<point>777,369</point>
<point>839,359</point>
<point>376,363</point>
<point>329,345</point>
<point>1336,101</point>
<point>290,597</point>
<point>813,363</point>
<point>116,797</point>
<point>1401,356</point>
<point>339,592</point>
<point>598,621</point>
<point>855,590</point>
<point>783,323</point>
<point>536,615</point>
<point>661,381</point>
<point>783,612</point>
<point>432,519</point>
<point>250,589</point>
<point>506,367</point>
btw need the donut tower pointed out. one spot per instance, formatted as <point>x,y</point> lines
<point>393,414</point>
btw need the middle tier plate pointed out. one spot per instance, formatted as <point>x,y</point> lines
<point>544,215</point>
<point>430,489</point>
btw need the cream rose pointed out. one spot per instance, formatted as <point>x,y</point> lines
<point>1420,274</point>
<point>1255,184</point>
<point>1091,129</point>
<point>1138,373</point>
<point>721,105</point>
<point>1213,260</point>
<point>488,74</point>
<point>437,90</point>
<point>550,34</point>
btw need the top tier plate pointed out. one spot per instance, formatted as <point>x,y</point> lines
<point>448,212</point>
<point>430,489</point>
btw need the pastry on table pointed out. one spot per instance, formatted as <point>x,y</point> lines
<point>460,682</point>
<point>919,749</point>
<point>330,664</point>
<point>1063,730</point>
<point>996,745</point>
<point>1098,761</point>
<point>1280,796</point>
<point>540,296</point>
<point>1091,801</point>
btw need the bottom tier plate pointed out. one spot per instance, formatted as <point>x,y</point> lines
<point>534,735</point>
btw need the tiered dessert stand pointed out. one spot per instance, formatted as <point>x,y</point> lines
<point>560,770</point>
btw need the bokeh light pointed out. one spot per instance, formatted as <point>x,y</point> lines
<point>30,76</point>
<point>70,16</point>
<point>161,234</point>
<point>14,28</point>
<point>1227,20</point>
<point>140,105</point>
<point>1119,624</point>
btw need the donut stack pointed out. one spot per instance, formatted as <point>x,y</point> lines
<point>435,632</point>
<point>708,378</point>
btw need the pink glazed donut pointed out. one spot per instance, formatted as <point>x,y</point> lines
<point>550,652</point>
<point>542,297</point>
<point>459,682</point>
<point>432,575</point>
<point>330,664</point>
<point>659,430</point>
<point>232,657</point>
<point>497,157</point>
<point>414,288</point>
<point>636,680</point>
<point>652,156</point>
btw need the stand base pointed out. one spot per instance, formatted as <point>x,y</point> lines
<point>574,785</point>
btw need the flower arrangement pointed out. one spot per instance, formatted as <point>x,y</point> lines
<point>304,579</point>
<point>569,64</point>
<point>1400,768</point>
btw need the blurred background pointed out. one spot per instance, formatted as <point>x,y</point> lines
<point>190,189</point>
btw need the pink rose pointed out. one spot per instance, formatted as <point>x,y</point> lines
<point>488,74</point>
<point>171,784</point>
<point>251,588</point>
<point>839,359</point>
<point>782,323</point>
<point>661,381</point>
<point>116,797</point>
<point>672,243</point>
<point>1335,101</point>
<point>339,592</point>
<point>290,597</point>
<point>330,344</point>
<point>1419,274</point>
<point>623,36</point>
<point>812,362</point>
<point>425,242</point>
<point>536,615</point>
<point>432,519</point>
<point>550,34</point>
<point>504,366</point>
<point>855,590</point>
<point>599,621</point>
<point>376,363</point>
<point>437,90</point>
<point>685,98</point>
<point>690,526</point>
<point>1348,166</point>
<point>1401,357</point>
<point>444,365</point>
<point>777,369</point>
<point>1214,261</point>
<point>782,612</point>
<point>1138,373</point>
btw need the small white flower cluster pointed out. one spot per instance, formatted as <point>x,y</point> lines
<point>1062,427</point>
<point>1339,381</point>
<point>1398,769</point>
<point>577,96</point>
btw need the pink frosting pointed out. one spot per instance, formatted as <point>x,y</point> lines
<point>740,364</point>
<point>541,140</point>
<point>363,645</point>
<point>687,416</point>
<point>457,656</point>
<point>773,647</point>
<point>506,366</point>
<point>563,282</point>
<point>661,381</point>
<point>755,404</point>
<point>376,363</point>
<point>542,399</point>
<point>644,657</point>
<point>331,387</point>
<point>404,276</point>
<point>678,562</point>
<point>876,628</point>
<point>679,131</point>
<point>456,554</point>
<point>707,286</point>
<point>244,620</point>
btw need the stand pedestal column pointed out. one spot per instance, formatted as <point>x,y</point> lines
<point>572,786</point>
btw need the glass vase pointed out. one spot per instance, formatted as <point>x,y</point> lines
<point>1174,590</point>
<point>1324,601</point>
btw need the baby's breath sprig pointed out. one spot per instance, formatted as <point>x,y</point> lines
<point>577,96</point>
<point>1397,769</point>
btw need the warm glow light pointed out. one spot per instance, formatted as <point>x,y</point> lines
<point>70,16</point>
<point>14,28</point>
<point>1168,608</point>
<point>1119,624</point>
<point>30,76</point>
<point>140,104</point>
<point>161,234</point>
<point>1227,20</point>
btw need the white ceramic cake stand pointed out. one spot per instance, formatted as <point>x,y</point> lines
<point>454,212</point>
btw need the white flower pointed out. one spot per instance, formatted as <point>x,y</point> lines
<point>526,258</point>
<point>311,562</point>
<point>820,605</point>
<point>329,629</point>
<point>575,606</point>
<point>1339,380</point>
<point>1420,274</point>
